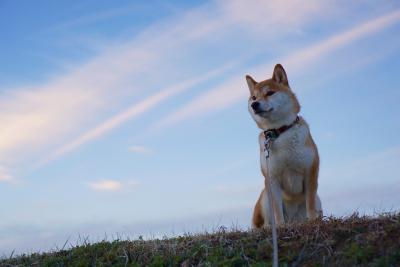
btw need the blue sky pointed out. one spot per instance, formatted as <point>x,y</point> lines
<point>131,117</point>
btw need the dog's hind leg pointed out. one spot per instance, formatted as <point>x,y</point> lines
<point>258,213</point>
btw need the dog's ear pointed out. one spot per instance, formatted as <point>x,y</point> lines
<point>251,83</point>
<point>279,75</point>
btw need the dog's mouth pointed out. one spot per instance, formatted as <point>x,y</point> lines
<point>263,112</point>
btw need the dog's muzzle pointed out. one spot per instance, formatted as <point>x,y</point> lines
<point>257,108</point>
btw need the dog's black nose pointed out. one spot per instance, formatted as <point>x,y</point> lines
<point>255,105</point>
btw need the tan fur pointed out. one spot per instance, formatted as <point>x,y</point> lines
<point>258,218</point>
<point>294,161</point>
<point>312,183</point>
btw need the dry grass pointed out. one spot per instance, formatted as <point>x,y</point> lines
<point>351,241</point>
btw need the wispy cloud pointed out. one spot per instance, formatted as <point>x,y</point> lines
<point>100,16</point>
<point>232,91</point>
<point>36,119</point>
<point>4,175</point>
<point>32,118</point>
<point>196,26</point>
<point>111,185</point>
<point>134,111</point>
<point>273,16</point>
<point>105,185</point>
<point>140,149</point>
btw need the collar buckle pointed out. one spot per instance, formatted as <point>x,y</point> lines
<point>271,134</point>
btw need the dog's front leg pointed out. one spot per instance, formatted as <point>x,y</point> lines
<point>276,201</point>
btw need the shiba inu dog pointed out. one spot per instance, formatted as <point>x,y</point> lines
<point>289,157</point>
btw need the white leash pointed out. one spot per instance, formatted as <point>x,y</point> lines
<point>270,136</point>
<point>267,146</point>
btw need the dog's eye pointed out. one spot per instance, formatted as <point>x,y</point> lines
<point>253,98</point>
<point>269,93</point>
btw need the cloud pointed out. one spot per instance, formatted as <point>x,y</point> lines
<point>132,112</point>
<point>99,16</point>
<point>32,118</point>
<point>232,90</point>
<point>4,175</point>
<point>105,185</point>
<point>139,149</point>
<point>37,119</point>
<point>112,185</point>
<point>260,15</point>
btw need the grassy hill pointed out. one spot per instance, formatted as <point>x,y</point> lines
<point>352,241</point>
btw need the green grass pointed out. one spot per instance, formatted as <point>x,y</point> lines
<point>351,241</point>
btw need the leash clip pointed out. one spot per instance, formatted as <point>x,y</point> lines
<point>270,136</point>
<point>267,146</point>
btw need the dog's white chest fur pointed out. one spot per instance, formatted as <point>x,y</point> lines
<point>289,159</point>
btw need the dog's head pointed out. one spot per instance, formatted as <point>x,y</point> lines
<point>272,103</point>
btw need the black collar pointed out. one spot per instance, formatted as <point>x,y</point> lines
<point>275,133</point>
